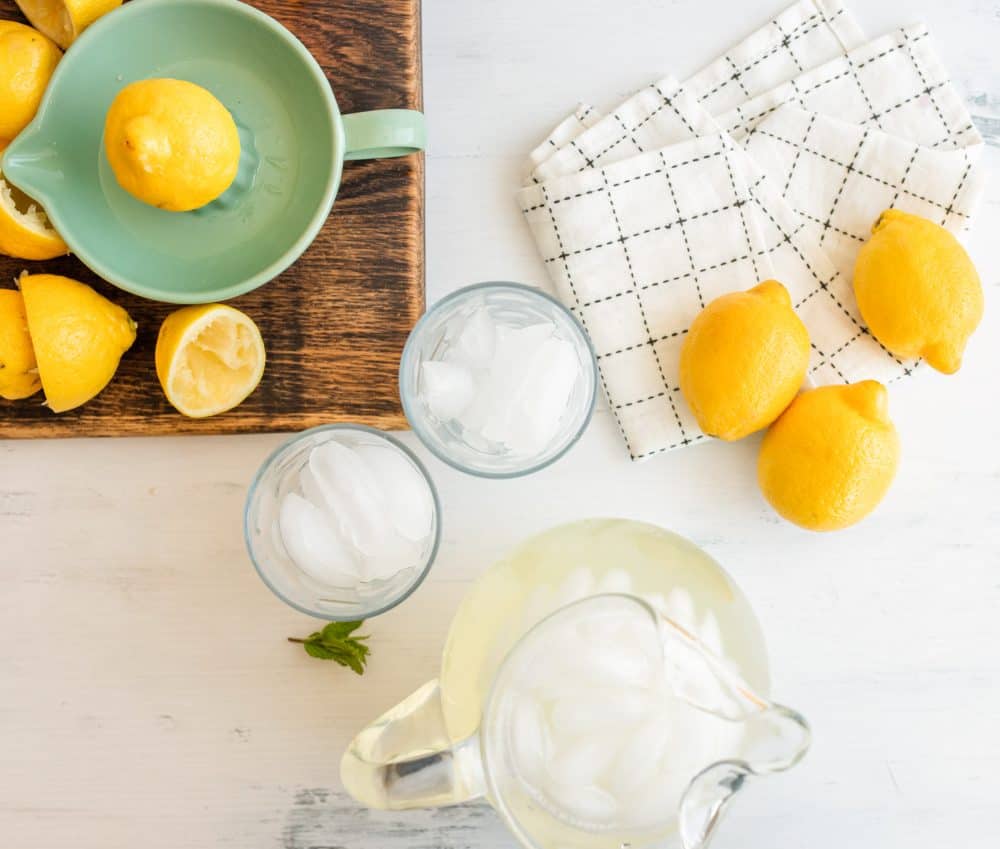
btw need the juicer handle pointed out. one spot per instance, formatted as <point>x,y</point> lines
<point>405,758</point>
<point>384,133</point>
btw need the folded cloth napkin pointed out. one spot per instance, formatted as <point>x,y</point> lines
<point>644,215</point>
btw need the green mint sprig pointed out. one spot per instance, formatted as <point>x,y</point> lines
<point>335,643</point>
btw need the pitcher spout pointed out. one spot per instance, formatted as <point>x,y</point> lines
<point>776,739</point>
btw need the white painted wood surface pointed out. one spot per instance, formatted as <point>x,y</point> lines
<point>147,694</point>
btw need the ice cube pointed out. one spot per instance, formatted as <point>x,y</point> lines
<point>531,743</point>
<point>389,555</point>
<point>586,804</point>
<point>514,363</point>
<point>411,503</point>
<point>581,761</point>
<point>544,395</point>
<point>615,581</point>
<point>313,544</point>
<point>475,342</point>
<point>602,707</point>
<point>680,608</point>
<point>352,493</point>
<point>449,388</point>
<point>578,584</point>
<point>639,761</point>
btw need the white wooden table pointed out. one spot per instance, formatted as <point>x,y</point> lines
<point>148,696</point>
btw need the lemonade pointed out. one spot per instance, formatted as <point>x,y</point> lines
<point>582,559</point>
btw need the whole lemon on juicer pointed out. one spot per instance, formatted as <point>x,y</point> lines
<point>171,144</point>
<point>18,368</point>
<point>830,458</point>
<point>744,358</point>
<point>917,289</point>
<point>79,337</point>
<point>27,60</point>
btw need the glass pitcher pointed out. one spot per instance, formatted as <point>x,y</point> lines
<point>604,686</point>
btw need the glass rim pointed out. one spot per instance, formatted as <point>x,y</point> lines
<point>285,446</point>
<point>416,421</point>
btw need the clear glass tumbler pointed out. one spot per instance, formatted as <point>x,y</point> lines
<point>280,475</point>
<point>515,306</point>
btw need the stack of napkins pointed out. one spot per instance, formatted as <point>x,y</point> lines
<point>773,161</point>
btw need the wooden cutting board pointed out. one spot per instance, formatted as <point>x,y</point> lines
<point>336,321</point>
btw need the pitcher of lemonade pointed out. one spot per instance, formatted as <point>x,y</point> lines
<point>604,686</point>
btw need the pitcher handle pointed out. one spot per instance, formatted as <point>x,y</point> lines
<point>405,758</point>
<point>384,133</point>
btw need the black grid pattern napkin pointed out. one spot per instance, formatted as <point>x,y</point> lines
<point>644,215</point>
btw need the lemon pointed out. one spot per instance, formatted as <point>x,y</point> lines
<point>79,337</point>
<point>209,358</point>
<point>27,60</point>
<point>25,231</point>
<point>917,290</point>
<point>18,369</point>
<point>744,358</point>
<point>830,458</point>
<point>171,144</point>
<point>64,20</point>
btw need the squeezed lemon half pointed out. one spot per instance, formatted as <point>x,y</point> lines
<point>25,231</point>
<point>209,358</point>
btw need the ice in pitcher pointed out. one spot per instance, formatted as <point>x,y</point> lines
<point>599,734</point>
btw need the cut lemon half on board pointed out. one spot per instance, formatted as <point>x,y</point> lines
<point>78,335</point>
<point>18,366</point>
<point>25,231</point>
<point>209,358</point>
<point>64,20</point>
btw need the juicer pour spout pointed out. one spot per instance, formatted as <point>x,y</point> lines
<point>405,759</point>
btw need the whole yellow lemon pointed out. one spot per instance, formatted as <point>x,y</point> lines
<point>830,458</point>
<point>171,144</point>
<point>27,60</point>
<point>744,358</point>
<point>79,337</point>
<point>917,290</point>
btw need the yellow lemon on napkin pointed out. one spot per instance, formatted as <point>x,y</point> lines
<point>27,60</point>
<point>64,20</point>
<point>744,358</point>
<point>918,290</point>
<point>25,231</point>
<point>209,358</point>
<point>830,458</point>
<point>78,335</point>
<point>171,144</point>
<point>18,368</point>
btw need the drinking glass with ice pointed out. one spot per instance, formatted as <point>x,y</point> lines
<point>342,522</point>
<point>498,379</point>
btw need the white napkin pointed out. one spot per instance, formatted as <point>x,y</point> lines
<point>644,215</point>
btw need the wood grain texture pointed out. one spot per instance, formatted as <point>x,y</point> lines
<point>335,322</point>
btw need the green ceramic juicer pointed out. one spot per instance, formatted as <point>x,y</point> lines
<point>293,144</point>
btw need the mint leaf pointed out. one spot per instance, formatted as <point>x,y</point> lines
<point>335,643</point>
